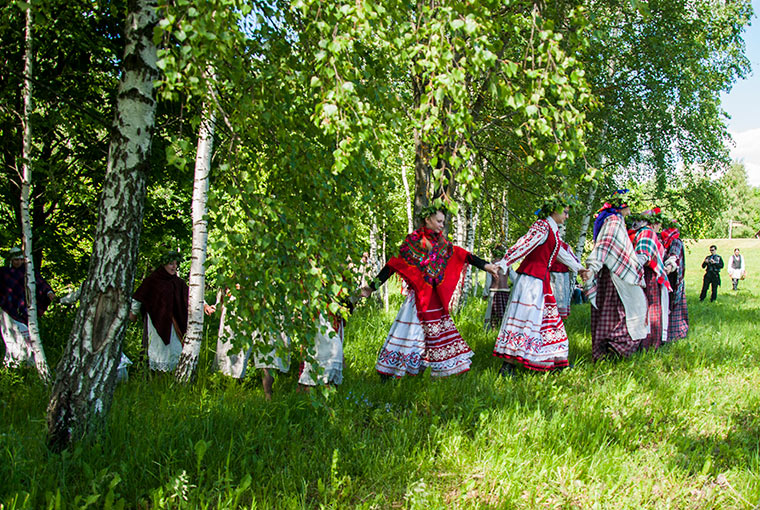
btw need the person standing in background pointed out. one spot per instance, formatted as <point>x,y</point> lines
<point>13,308</point>
<point>712,264</point>
<point>736,268</point>
<point>497,292</point>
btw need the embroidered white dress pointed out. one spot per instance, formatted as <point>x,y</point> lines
<point>328,356</point>
<point>404,348</point>
<point>230,362</point>
<point>532,333</point>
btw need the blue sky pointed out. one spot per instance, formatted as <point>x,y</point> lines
<point>742,104</point>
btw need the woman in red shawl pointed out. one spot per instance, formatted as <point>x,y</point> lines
<point>649,251</point>
<point>423,334</point>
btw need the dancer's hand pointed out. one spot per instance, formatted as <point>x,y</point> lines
<point>585,274</point>
<point>365,292</point>
<point>493,269</point>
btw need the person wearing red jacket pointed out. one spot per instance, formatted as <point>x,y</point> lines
<point>532,334</point>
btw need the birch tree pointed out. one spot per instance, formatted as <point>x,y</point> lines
<point>188,360</point>
<point>83,390</point>
<point>26,227</point>
<point>470,227</point>
<point>505,219</point>
<point>408,199</point>
<point>585,221</point>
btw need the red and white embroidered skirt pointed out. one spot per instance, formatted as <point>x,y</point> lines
<point>532,333</point>
<point>425,339</point>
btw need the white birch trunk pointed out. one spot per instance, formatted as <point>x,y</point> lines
<point>461,231</point>
<point>408,197</point>
<point>505,219</point>
<point>373,244</point>
<point>382,263</point>
<point>374,261</point>
<point>188,360</point>
<point>459,236</point>
<point>469,243</point>
<point>471,247</point>
<point>579,247</point>
<point>40,362</point>
<point>83,390</point>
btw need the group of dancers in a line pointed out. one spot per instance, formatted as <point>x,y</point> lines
<point>633,277</point>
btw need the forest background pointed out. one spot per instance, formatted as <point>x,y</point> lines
<point>365,112</point>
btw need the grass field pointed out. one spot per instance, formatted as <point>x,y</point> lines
<point>674,429</point>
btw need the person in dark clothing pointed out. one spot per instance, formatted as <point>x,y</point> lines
<point>713,263</point>
<point>14,316</point>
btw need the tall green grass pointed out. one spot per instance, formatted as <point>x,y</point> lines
<point>677,428</point>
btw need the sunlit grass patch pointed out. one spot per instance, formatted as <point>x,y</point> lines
<point>677,428</point>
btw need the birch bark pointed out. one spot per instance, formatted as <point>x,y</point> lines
<point>579,247</point>
<point>505,220</point>
<point>469,243</point>
<point>188,360</point>
<point>83,390</point>
<point>471,246</point>
<point>380,266</point>
<point>40,361</point>
<point>408,197</point>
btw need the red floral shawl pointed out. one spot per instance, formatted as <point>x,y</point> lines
<point>430,264</point>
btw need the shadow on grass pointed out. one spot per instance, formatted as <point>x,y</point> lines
<point>369,441</point>
<point>713,453</point>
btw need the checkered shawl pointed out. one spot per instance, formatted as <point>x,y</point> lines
<point>647,245</point>
<point>613,249</point>
<point>678,321</point>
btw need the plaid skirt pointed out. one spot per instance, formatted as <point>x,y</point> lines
<point>652,291</point>
<point>678,325</point>
<point>423,339</point>
<point>498,307</point>
<point>609,331</point>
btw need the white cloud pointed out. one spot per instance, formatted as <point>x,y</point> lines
<point>747,151</point>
